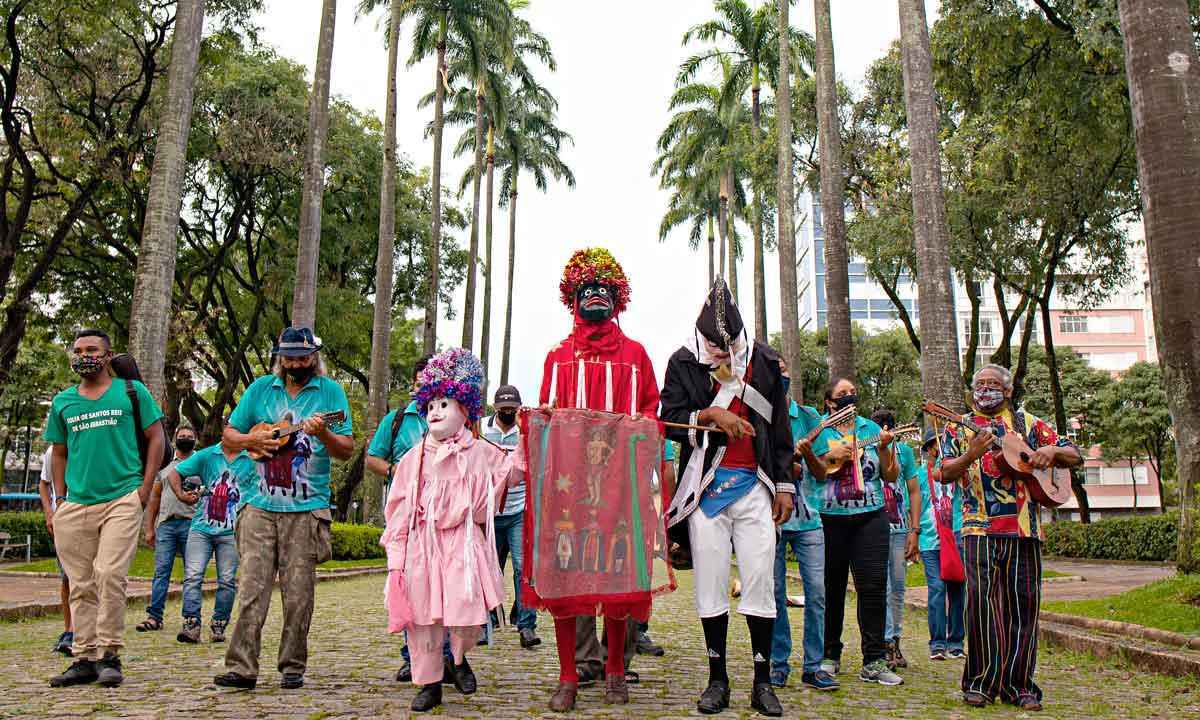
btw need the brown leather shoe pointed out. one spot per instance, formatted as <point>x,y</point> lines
<point>616,690</point>
<point>563,699</point>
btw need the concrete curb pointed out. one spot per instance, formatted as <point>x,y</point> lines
<point>33,610</point>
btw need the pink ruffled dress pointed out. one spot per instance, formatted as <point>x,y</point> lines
<point>440,537</point>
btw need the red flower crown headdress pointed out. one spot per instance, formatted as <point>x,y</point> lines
<point>594,265</point>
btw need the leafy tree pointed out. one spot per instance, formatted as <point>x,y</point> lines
<point>1082,386</point>
<point>1136,421</point>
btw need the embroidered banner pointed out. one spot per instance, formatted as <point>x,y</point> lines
<point>594,530</point>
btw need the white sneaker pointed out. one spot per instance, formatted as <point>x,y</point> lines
<point>833,667</point>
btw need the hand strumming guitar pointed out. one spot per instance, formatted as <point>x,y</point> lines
<point>1043,457</point>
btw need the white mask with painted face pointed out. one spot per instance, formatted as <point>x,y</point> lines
<point>446,417</point>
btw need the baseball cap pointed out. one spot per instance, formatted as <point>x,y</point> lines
<point>507,397</point>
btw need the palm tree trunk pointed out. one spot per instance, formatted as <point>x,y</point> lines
<point>941,379</point>
<point>723,221</point>
<point>485,332</point>
<point>468,336</point>
<point>1164,89</point>
<point>381,327</point>
<point>151,310</point>
<point>308,250</point>
<point>733,275</point>
<point>435,240</point>
<point>760,277</point>
<point>512,265</point>
<point>712,241</point>
<point>786,233</point>
<point>833,219</point>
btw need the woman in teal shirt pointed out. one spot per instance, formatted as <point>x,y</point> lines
<point>947,600</point>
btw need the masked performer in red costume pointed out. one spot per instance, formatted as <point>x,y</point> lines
<point>597,368</point>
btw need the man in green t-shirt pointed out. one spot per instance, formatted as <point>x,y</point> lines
<point>104,486</point>
<point>284,526</point>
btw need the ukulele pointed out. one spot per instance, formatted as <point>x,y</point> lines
<point>840,417</point>
<point>832,466</point>
<point>283,430</point>
<point>1050,487</point>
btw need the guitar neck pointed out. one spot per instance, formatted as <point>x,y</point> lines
<point>295,428</point>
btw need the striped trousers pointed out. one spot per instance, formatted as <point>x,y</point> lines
<point>1004,596</point>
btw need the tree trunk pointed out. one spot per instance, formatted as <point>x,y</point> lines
<point>150,314</point>
<point>1164,89</point>
<point>712,241</point>
<point>723,222</point>
<point>512,265</point>
<point>760,277</point>
<point>1060,409</point>
<point>733,257</point>
<point>833,184</point>
<point>970,357</point>
<point>381,328</point>
<point>308,250</point>
<point>940,376</point>
<point>435,239</point>
<point>786,232</point>
<point>468,336</point>
<point>485,332</point>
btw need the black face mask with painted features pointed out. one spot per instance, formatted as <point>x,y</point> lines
<point>596,302</point>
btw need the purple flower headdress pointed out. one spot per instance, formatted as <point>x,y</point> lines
<point>454,374</point>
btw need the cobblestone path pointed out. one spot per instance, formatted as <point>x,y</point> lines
<point>352,662</point>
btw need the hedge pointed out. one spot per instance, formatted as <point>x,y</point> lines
<point>356,542</point>
<point>20,524</point>
<point>1149,537</point>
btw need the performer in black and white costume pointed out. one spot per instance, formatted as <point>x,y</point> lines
<point>736,485</point>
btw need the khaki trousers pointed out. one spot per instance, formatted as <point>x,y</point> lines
<point>96,544</point>
<point>269,544</point>
<point>590,654</point>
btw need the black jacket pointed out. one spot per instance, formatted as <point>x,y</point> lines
<point>688,389</point>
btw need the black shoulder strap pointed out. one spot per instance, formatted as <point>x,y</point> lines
<point>131,391</point>
<point>1019,423</point>
<point>397,419</point>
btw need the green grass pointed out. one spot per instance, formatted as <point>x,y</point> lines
<point>1166,604</point>
<point>915,574</point>
<point>143,566</point>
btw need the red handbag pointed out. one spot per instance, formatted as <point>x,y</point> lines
<point>951,561</point>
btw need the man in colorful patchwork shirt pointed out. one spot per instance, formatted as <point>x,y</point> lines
<point>1002,537</point>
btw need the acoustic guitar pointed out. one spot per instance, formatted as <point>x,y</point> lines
<point>898,433</point>
<point>283,430</point>
<point>1050,487</point>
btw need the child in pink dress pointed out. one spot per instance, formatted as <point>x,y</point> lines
<point>443,571</point>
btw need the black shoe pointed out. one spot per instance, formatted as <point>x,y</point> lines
<point>404,674</point>
<point>587,678</point>
<point>529,639</point>
<point>108,670</point>
<point>762,699</point>
<point>512,616</point>
<point>81,672</point>
<point>715,697</point>
<point>646,646</point>
<point>233,680</point>
<point>429,698</point>
<point>464,677</point>
<point>292,681</point>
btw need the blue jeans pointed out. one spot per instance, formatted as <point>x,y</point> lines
<point>894,625</point>
<point>200,548</point>
<point>170,539</point>
<point>947,605</point>
<point>809,549</point>
<point>508,541</point>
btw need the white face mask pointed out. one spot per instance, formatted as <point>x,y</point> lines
<point>446,417</point>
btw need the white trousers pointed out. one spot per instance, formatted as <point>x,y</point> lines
<point>747,528</point>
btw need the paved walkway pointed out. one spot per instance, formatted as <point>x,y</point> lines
<point>352,662</point>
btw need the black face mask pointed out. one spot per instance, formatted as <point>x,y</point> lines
<point>844,401</point>
<point>595,302</point>
<point>300,375</point>
<point>185,444</point>
<point>508,417</point>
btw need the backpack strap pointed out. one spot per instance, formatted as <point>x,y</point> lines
<point>397,419</point>
<point>143,447</point>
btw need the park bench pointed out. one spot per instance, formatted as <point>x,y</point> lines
<point>6,544</point>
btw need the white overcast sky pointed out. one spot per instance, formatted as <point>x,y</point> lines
<point>617,62</point>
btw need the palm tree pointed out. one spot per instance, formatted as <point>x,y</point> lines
<point>786,237</point>
<point>833,184</point>
<point>470,23</point>
<point>941,379</point>
<point>694,200</point>
<point>529,142</point>
<point>1164,90</point>
<point>308,249</point>
<point>750,37</point>
<point>150,313</point>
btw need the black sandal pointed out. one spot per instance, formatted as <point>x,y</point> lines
<point>149,624</point>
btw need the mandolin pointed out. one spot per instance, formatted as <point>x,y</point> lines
<point>1050,487</point>
<point>282,430</point>
<point>903,431</point>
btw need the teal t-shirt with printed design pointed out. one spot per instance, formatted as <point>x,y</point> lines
<point>840,494</point>
<point>807,514</point>
<point>229,486</point>
<point>296,478</point>
<point>102,440</point>
<point>942,493</point>
<point>907,459</point>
